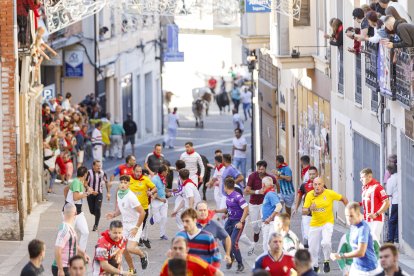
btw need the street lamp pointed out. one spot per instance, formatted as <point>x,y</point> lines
<point>251,65</point>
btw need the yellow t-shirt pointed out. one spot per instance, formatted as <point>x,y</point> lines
<point>324,206</point>
<point>140,188</point>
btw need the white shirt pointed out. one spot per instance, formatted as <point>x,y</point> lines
<point>218,173</point>
<point>237,121</point>
<point>190,190</point>
<point>172,120</point>
<point>239,143</point>
<point>401,11</point>
<point>392,188</point>
<point>66,104</point>
<point>127,207</point>
<point>96,137</point>
<point>191,161</point>
<point>246,97</point>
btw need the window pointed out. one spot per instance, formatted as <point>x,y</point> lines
<point>304,19</point>
<point>341,70</point>
<point>321,17</point>
<point>358,80</point>
<point>374,101</point>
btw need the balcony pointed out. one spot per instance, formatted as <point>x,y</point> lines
<point>391,72</point>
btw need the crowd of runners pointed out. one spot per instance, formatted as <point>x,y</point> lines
<point>208,235</point>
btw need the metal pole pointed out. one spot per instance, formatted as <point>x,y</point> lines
<point>383,139</point>
<point>252,123</point>
<point>161,65</point>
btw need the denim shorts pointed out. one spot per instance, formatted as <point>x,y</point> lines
<point>289,199</point>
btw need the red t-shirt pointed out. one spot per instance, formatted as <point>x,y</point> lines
<point>279,267</point>
<point>195,266</point>
<point>61,164</point>
<point>255,183</point>
<point>108,250</point>
<point>305,188</point>
<point>124,169</point>
<point>373,195</point>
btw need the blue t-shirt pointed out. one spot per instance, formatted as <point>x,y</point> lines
<point>270,201</point>
<point>229,171</point>
<point>286,187</point>
<point>361,233</point>
<point>160,186</point>
<point>235,204</point>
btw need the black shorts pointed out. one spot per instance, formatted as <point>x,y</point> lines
<point>129,138</point>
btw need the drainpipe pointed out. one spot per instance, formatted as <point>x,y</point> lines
<point>17,121</point>
<point>383,147</point>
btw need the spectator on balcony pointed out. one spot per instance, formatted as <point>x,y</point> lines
<point>405,32</point>
<point>378,26</point>
<point>375,6</point>
<point>386,4</point>
<point>359,16</point>
<point>337,37</point>
<point>351,33</point>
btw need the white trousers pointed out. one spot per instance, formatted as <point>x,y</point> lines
<point>376,229</point>
<point>320,236</point>
<point>159,214</point>
<point>178,220</point>
<point>255,214</point>
<point>267,230</point>
<point>127,230</point>
<point>82,226</point>
<point>356,272</point>
<point>217,196</point>
<point>116,146</point>
<point>305,227</point>
<point>97,153</point>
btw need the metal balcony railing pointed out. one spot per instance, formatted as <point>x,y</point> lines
<point>358,78</point>
<point>341,70</point>
<point>404,76</point>
<point>371,57</point>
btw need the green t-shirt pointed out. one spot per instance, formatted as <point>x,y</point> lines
<point>75,186</point>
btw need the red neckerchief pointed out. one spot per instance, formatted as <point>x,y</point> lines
<point>162,179</point>
<point>219,167</point>
<point>282,165</point>
<point>269,190</point>
<point>139,179</point>
<point>188,181</point>
<point>304,171</point>
<point>191,152</point>
<point>209,217</point>
<point>111,241</point>
<point>156,155</point>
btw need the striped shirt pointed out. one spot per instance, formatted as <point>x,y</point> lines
<point>67,240</point>
<point>96,180</point>
<point>286,187</point>
<point>203,245</point>
<point>96,138</point>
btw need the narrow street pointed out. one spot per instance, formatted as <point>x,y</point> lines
<point>217,134</point>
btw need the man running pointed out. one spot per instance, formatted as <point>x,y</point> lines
<point>270,209</point>
<point>159,204</point>
<point>109,250</point>
<point>77,266</point>
<point>305,166</point>
<point>95,180</point>
<point>205,222</point>
<point>143,188</point>
<point>217,181</point>
<point>154,160</point>
<point>237,210</point>
<point>37,252</point>
<point>178,193</point>
<point>66,244</point>
<point>75,193</point>
<point>195,265</point>
<point>284,177</point>
<point>201,243</point>
<point>374,201</point>
<point>190,191</point>
<point>125,169</point>
<point>192,159</point>
<point>97,143</point>
<point>132,217</point>
<point>302,191</point>
<point>389,261</point>
<point>363,253</point>
<point>319,202</point>
<point>254,188</point>
<point>291,241</point>
<point>275,261</point>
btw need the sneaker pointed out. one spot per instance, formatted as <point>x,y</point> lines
<point>144,261</point>
<point>305,243</point>
<point>256,237</point>
<point>133,271</point>
<point>152,220</point>
<point>140,243</point>
<point>316,269</point>
<point>163,144</point>
<point>326,267</point>
<point>164,237</point>
<point>240,268</point>
<point>229,265</point>
<point>147,243</point>
<point>95,227</point>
